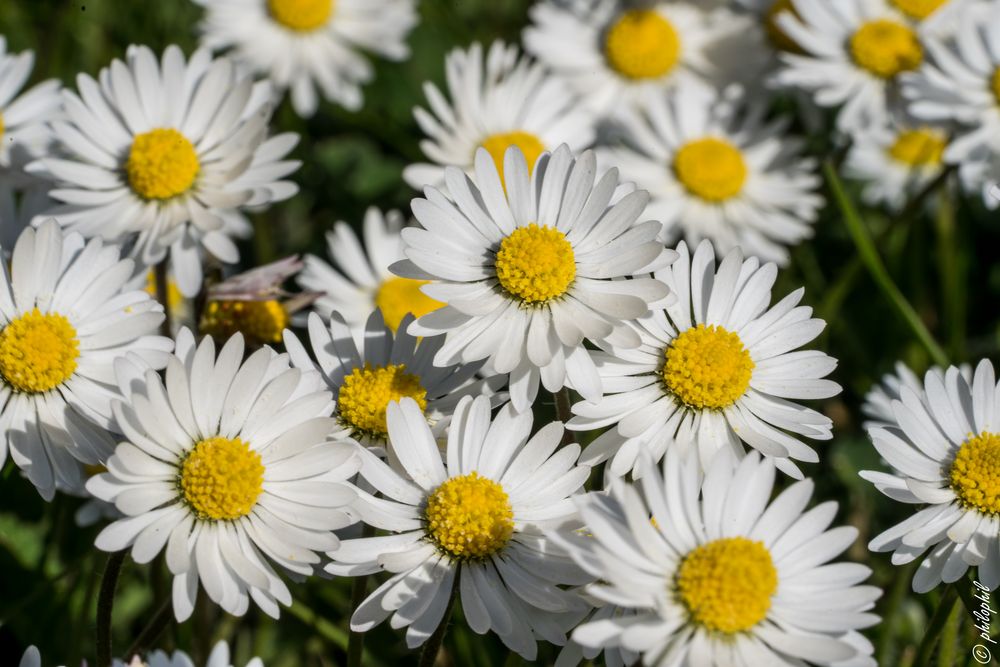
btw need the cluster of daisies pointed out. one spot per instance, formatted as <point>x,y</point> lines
<point>601,216</point>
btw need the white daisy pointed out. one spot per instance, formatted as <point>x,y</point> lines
<point>498,101</point>
<point>474,521</point>
<point>614,56</point>
<point>573,653</point>
<point>359,281</point>
<point>942,445</point>
<point>716,169</point>
<point>219,657</point>
<point>721,575</point>
<point>23,117</point>
<point>878,401</point>
<point>302,45</point>
<point>853,53</point>
<point>530,269</point>
<point>31,658</point>
<point>164,154</point>
<point>715,371</point>
<point>64,318</point>
<point>227,466</point>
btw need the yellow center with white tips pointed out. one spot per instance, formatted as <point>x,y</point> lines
<point>301,15</point>
<point>366,393</point>
<point>726,585</point>
<point>161,164</point>
<point>919,147</point>
<point>642,44</point>
<point>497,145</point>
<point>712,169</point>
<point>536,264</point>
<point>775,34</point>
<point>707,367</point>
<point>260,321</point>
<point>398,296</point>
<point>886,48</point>
<point>918,9</point>
<point>469,517</point>
<point>38,351</point>
<point>975,473</point>
<point>221,479</point>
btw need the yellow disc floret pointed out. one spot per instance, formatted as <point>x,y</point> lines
<point>994,84</point>
<point>301,15</point>
<point>642,44</point>
<point>775,34</point>
<point>259,321</point>
<point>536,264</point>
<point>1,125</point>
<point>161,164</point>
<point>918,148</point>
<point>726,585</point>
<point>975,473</point>
<point>398,296</point>
<point>711,168</point>
<point>367,391</point>
<point>885,48</point>
<point>221,479</point>
<point>174,296</point>
<point>469,517</point>
<point>38,351</point>
<point>918,9</point>
<point>707,367</point>
<point>497,145</point>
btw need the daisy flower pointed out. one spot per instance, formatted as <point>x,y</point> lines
<point>715,169</point>
<point>942,445</point>
<point>384,367</point>
<point>302,45</point>
<point>721,575</point>
<point>31,658</point>
<point>853,55</point>
<point>23,117</point>
<point>878,401</point>
<point>615,57</point>
<point>359,281</point>
<point>164,154</point>
<point>64,318</point>
<point>219,657</point>
<point>498,101</point>
<point>715,371</point>
<point>473,521</point>
<point>228,466</point>
<point>530,269</point>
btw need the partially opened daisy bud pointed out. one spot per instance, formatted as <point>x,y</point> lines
<point>714,573</point>
<point>228,465</point>
<point>531,270</point>
<point>714,371</point>
<point>943,445</point>
<point>474,521</point>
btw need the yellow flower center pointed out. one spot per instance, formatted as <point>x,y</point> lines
<point>161,164</point>
<point>259,321</point>
<point>778,37</point>
<point>885,48</point>
<point>920,147</point>
<point>726,585</point>
<point>367,391</point>
<point>536,264</point>
<point>301,15</point>
<point>469,517</point>
<point>918,9</point>
<point>222,478</point>
<point>38,351</point>
<point>642,44</point>
<point>174,296</point>
<point>995,85</point>
<point>712,169</point>
<point>975,474</point>
<point>707,367</point>
<point>497,145</point>
<point>399,296</point>
<point>1,125</point>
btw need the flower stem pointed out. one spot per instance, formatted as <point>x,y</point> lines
<point>162,295</point>
<point>429,655</point>
<point>873,262</point>
<point>949,598</point>
<point>356,641</point>
<point>950,265</point>
<point>105,606</point>
<point>564,413</point>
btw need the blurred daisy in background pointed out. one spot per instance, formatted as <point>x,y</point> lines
<point>715,169</point>
<point>530,266</point>
<point>942,445</point>
<point>24,114</point>
<point>161,154</point>
<point>721,575</point>
<point>474,521</point>
<point>305,45</point>
<point>227,465</point>
<point>219,657</point>
<point>717,370</point>
<point>359,280</point>
<point>498,101</point>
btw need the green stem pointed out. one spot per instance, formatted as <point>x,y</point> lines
<point>323,627</point>
<point>564,413</point>
<point>359,590</point>
<point>429,655</point>
<point>873,262</point>
<point>949,598</point>
<point>949,264</point>
<point>105,606</point>
<point>146,639</point>
<point>948,655</point>
<point>897,594</point>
